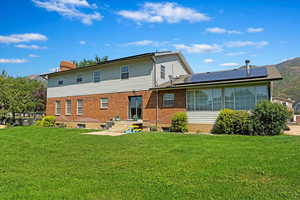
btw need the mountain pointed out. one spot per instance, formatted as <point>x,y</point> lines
<point>290,85</point>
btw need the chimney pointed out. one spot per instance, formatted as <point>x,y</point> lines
<point>248,68</point>
<point>66,65</point>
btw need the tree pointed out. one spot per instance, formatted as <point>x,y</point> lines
<point>20,95</point>
<point>87,62</point>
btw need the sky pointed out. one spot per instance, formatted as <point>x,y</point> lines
<point>35,35</point>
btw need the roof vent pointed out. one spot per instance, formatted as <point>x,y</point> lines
<point>248,68</point>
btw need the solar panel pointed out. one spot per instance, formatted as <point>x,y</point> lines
<point>228,75</point>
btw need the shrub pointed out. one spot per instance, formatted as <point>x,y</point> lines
<point>179,122</point>
<point>233,122</point>
<point>270,118</point>
<point>47,121</point>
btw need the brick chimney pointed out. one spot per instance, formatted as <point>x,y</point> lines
<point>66,65</point>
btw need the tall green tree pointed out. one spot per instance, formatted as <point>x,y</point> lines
<point>87,62</point>
<point>20,95</point>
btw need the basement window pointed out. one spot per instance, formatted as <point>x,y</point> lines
<point>81,126</point>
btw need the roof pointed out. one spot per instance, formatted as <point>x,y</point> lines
<point>145,55</point>
<point>223,77</point>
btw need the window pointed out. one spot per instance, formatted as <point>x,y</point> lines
<point>168,100</point>
<point>162,72</point>
<point>96,76</point>
<point>124,72</point>
<point>68,107</point>
<point>238,98</point>
<point>57,108</point>
<point>79,79</point>
<point>79,107</point>
<point>104,103</point>
<point>81,126</point>
<point>60,82</point>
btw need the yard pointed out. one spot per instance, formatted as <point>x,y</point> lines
<point>41,163</point>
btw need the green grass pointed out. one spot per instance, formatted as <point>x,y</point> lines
<point>40,163</point>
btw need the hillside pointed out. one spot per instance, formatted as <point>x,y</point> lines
<point>290,85</point>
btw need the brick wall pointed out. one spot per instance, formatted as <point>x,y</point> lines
<point>118,106</point>
<point>297,119</point>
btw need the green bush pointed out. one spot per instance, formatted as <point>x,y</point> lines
<point>47,121</point>
<point>270,118</point>
<point>233,122</point>
<point>179,122</point>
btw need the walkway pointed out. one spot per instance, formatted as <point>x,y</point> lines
<point>294,130</point>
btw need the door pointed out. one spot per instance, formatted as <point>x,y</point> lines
<point>135,107</point>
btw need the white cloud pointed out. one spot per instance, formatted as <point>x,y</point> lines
<point>82,42</point>
<point>232,64</point>
<point>4,60</point>
<point>199,48</point>
<point>164,12</point>
<point>143,43</point>
<point>33,46</point>
<point>26,37</point>
<point>246,43</point>
<point>235,53</point>
<point>208,60</point>
<point>255,30</point>
<point>218,30</point>
<point>69,8</point>
<point>33,56</point>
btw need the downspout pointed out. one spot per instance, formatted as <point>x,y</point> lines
<point>155,85</point>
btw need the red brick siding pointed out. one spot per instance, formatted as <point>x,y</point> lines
<point>118,106</point>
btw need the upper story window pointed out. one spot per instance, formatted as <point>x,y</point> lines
<point>96,76</point>
<point>104,103</point>
<point>79,107</point>
<point>79,79</point>
<point>169,100</point>
<point>60,82</point>
<point>162,72</point>
<point>57,108</point>
<point>124,72</point>
<point>68,107</point>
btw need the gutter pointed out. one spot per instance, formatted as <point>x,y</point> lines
<point>155,85</point>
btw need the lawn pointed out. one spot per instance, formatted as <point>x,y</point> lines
<point>40,163</point>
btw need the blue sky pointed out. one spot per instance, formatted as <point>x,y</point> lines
<point>35,35</point>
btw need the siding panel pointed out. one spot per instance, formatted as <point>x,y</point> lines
<point>203,117</point>
<point>140,79</point>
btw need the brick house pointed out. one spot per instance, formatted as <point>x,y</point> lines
<point>152,87</point>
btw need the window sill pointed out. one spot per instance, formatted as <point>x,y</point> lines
<point>103,108</point>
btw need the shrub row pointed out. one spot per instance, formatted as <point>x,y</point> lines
<point>266,119</point>
<point>47,121</point>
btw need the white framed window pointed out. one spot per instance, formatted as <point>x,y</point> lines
<point>162,72</point>
<point>79,79</point>
<point>68,107</point>
<point>57,108</point>
<point>104,103</point>
<point>97,76</point>
<point>79,107</point>
<point>169,100</point>
<point>125,72</point>
<point>60,82</point>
